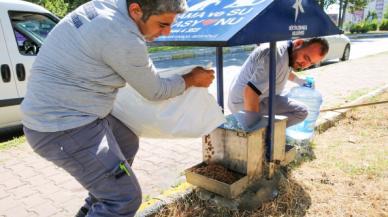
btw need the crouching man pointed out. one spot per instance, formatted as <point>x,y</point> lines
<point>249,90</point>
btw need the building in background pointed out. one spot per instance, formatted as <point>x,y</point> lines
<point>374,5</point>
<point>332,11</point>
<point>379,7</point>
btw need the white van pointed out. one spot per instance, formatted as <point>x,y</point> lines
<point>23,27</point>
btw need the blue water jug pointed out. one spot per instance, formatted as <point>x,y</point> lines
<point>313,100</point>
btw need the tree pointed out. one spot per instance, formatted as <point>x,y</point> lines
<point>326,3</point>
<point>372,15</point>
<point>73,4</point>
<point>59,7</point>
<point>386,13</point>
<point>352,6</point>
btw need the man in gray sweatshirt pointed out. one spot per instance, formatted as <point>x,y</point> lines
<point>92,52</point>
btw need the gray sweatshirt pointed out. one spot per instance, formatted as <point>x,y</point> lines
<point>255,72</point>
<point>90,53</point>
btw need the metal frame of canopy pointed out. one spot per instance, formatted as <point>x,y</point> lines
<point>212,24</point>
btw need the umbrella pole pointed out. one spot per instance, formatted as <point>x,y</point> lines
<point>220,79</point>
<point>271,110</point>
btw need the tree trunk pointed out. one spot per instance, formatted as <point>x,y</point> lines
<point>322,4</point>
<point>340,24</point>
<point>340,13</point>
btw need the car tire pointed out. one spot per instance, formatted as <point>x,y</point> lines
<point>346,54</point>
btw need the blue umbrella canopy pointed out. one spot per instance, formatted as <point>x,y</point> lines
<point>240,22</point>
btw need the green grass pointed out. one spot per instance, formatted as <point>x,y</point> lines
<point>248,48</point>
<point>376,98</point>
<point>304,157</point>
<point>335,144</point>
<point>182,56</point>
<point>371,168</point>
<point>146,198</point>
<point>12,143</point>
<point>356,94</point>
<point>370,32</point>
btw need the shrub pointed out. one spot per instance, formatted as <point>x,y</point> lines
<point>363,27</point>
<point>354,28</point>
<point>357,28</point>
<point>347,26</point>
<point>384,25</point>
<point>372,25</point>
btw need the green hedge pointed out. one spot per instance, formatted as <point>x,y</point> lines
<point>372,25</point>
<point>358,28</point>
<point>364,27</point>
<point>384,25</point>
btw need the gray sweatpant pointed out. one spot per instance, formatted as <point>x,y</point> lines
<point>92,154</point>
<point>295,112</point>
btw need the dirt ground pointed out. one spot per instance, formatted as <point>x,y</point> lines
<point>346,176</point>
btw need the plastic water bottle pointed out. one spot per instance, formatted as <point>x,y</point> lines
<point>313,100</point>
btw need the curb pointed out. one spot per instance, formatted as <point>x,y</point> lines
<point>367,35</point>
<point>324,123</point>
<point>171,195</point>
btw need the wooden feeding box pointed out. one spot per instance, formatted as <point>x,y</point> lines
<point>241,152</point>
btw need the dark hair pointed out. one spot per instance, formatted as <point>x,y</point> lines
<point>157,7</point>
<point>321,41</point>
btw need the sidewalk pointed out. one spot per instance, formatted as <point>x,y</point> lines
<point>31,186</point>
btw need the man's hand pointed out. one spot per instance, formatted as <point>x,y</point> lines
<point>248,120</point>
<point>300,81</point>
<point>199,77</point>
<point>296,79</point>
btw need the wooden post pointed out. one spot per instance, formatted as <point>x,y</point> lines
<point>256,151</point>
<point>280,138</point>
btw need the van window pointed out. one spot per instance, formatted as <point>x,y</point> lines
<point>30,30</point>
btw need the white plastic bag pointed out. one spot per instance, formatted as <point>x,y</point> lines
<point>193,114</point>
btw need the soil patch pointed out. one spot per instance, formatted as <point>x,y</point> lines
<point>217,172</point>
